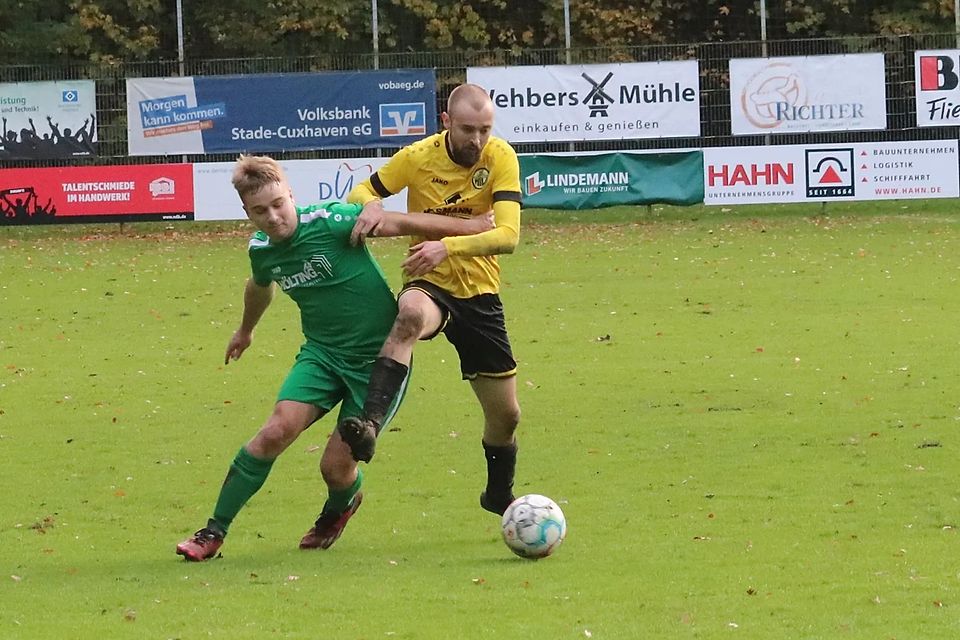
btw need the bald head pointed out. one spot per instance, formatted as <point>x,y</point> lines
<point>468,97</point>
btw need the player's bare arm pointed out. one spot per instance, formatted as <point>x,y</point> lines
<point>430,225</point>
<point>256,299</point>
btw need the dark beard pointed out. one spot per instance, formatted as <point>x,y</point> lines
<point>465,157</point>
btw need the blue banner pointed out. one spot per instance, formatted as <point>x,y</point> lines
<point>280,112</point>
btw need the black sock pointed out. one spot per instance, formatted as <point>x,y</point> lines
<point>386,380</point>
<point>501,463</point>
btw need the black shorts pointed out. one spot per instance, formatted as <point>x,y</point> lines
<point>476,328</point>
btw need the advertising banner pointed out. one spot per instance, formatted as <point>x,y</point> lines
<point>855,171</point>
<point>279,112</point>
<point>593,102</point>
<point>312,182</point>
<point>47,120</point>
<point>605,179</point>
<point>937,83</point>
<point>807,93</point>
<point>96,194</point>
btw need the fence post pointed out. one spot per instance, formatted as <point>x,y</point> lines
<point>763,26</point>
<point>763,44</point>
<point>180,34</point>
<point>566,36</point>
<point>375,28</point>
<point>180,59</point>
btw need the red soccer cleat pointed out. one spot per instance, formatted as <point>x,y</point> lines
<point>329,526</point>
<point>203,545</point>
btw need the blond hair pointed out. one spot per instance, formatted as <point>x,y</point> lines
<point>252,173</point>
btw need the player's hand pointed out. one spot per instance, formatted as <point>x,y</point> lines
<point>424,258</point>
<point>367,223</point>
<point>481,223</point>
<point>237,345</point>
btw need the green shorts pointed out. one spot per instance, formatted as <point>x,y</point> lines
<point>324,379</point>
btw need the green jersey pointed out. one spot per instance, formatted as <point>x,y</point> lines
<point>345,303</point>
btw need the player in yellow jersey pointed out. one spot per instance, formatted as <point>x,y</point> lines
<point>452,285</point>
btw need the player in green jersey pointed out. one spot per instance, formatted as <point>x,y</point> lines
<point>346,311</point>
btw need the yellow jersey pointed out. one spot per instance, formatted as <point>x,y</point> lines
<point>436,184</point>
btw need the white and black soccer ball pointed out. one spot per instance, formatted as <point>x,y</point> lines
<point>533,526</point>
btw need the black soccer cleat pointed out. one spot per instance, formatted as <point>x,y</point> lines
<point>496,504</point>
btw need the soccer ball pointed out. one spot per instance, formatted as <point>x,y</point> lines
<point>533,526</point>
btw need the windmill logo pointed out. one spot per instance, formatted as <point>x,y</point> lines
<point>597,98</point>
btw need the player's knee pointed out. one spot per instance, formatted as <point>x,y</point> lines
<point>275,436</point>
<point>409,325</point>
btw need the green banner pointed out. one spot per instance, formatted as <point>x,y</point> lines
<point>607,179</point>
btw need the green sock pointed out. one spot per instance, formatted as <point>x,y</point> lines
<point>340,499</point>
<point>245,477</point>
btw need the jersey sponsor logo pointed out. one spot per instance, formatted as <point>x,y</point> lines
<point>403,119</point>
<point>459,212</point>
<point>437,180</point>
<point>480,177</point>
<point>316,269</point>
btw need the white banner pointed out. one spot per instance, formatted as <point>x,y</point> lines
<point>146,96</point>
<point>44,120</point>
<point>807,93</point>
<point>593,102</point>
<point>814,173</point>
<point>937,76</point>
<point>312,181</point>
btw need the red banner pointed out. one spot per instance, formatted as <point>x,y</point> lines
<point>96,194</point>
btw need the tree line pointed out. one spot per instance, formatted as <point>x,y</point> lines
<point>115,31</point>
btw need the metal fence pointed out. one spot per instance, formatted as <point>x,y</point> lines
<point>450,68</point>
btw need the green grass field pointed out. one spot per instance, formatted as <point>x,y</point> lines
<point>749,416</point>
